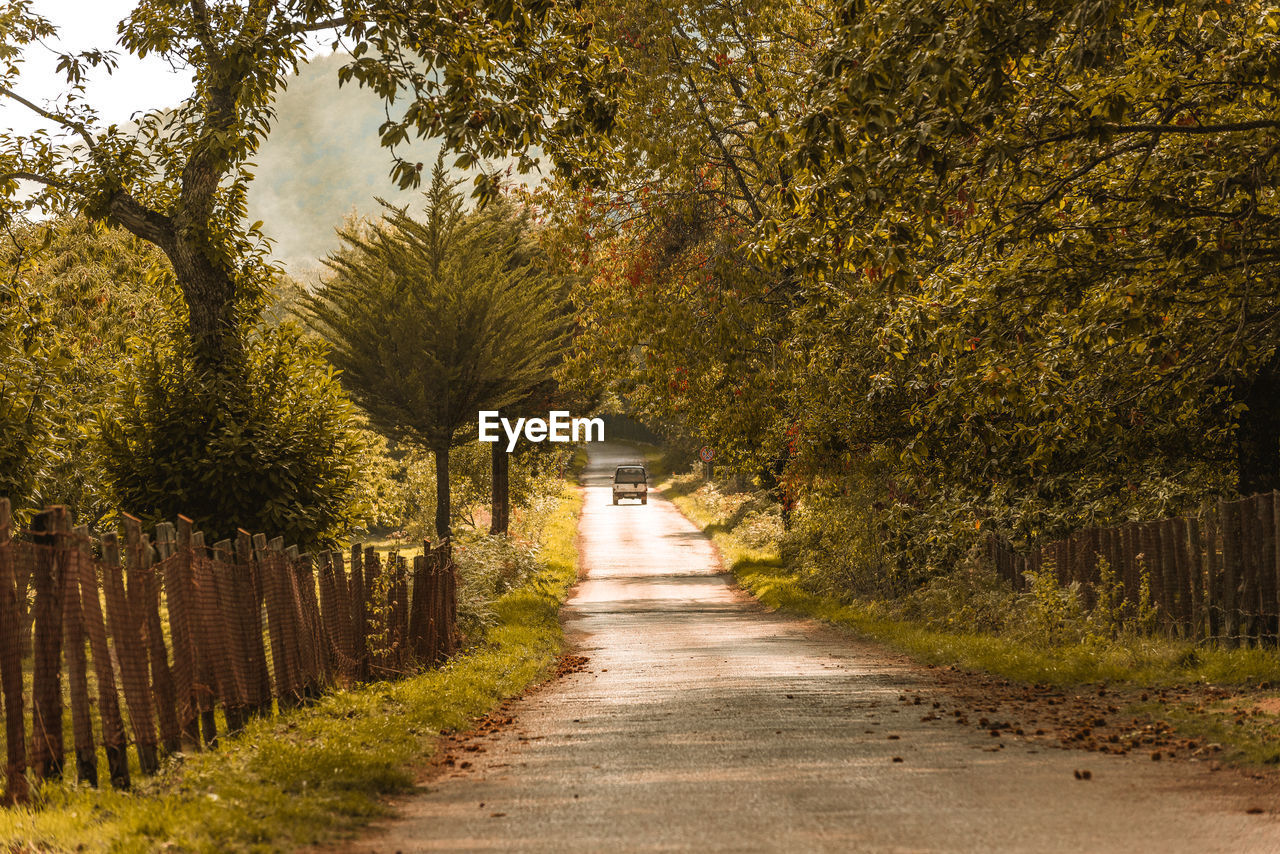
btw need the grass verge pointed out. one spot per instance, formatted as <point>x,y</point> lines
<point>1245,719</point>
<point>318,773</point>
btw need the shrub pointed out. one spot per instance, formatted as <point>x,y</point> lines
<point>488,567</point>
<point>274,449</point>
<point>836,545</point>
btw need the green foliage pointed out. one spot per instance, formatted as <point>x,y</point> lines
<point>431,321</point>
<point>836,543</point>
<point>974,621</point>
<point>1007,260</point>
<point>534,474</point>
<point>680,318</point>
<point>272,451</point>
<point>488,567</point>
<point>75,296</point>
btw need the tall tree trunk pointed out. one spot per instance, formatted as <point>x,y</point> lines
<point>501,490</point>
<point>210,292</point>
<point>442,492</point>
<point>1258,437</point>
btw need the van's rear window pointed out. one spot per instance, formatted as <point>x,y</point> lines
<point>629,476</point>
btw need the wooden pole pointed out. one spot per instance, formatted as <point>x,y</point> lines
<point>144,604</point>
<point>235,694</point>
<point>173,569</point>
<point>250,599</point>
<point>213,652</point>
<point>1213,574</point>
<point>47,753</point>
<point>359,613</point>
<point>16,790</point>
<point>1229,514</point>
<point>1264,565</point>
<point>114,739</point>
<point>73,639</point>
<point>1195,570</point>
<point>126,633</point>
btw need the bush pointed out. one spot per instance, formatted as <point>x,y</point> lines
<point>836,545</point>
<point>488,567</point>
<point>274,450</point>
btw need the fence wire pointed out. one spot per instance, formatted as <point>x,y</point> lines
<point>158,644</point>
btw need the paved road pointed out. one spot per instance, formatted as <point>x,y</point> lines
<point>702,722</point>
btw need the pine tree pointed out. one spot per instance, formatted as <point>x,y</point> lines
<point>432,321</point>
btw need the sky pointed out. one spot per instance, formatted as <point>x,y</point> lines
<point>138,84</point>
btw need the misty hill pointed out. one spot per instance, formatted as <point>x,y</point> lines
<point>321,163</point>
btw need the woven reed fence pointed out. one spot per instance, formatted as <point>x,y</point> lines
<point>147,641</point>
<point>1210,576</point>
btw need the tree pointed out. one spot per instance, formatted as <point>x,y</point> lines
<point>430,322</point>
<point>1040,233</point>
<point>680,316</point>
<point>177,178</point>
<point>77,295</point>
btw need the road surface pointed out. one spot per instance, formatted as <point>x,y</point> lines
<point>702,722</point>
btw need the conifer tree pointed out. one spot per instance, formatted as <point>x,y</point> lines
<point>432,320</point>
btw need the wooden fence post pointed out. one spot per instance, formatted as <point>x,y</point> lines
<point>1168,548</point>
<point>1274,569</point>
<point>1151,563</point>
<point>273,596</point>
<point>450,600</point>
<point>235,688</point>
<point>144,605</point>
<point>73,639</point>
<point>1195,572</point>
<point>1251,557</point>
<point>298,625</point>
<point>204,685</point>
<point>126,634</point>
<point>250,587</point>
<point>418,614</point>
<point>215,645</point>
<point>114,739</point>
<point>1213,573</point>
<point>1264,521</point>
<point>374,599</point>
<point>16,790</point>
<point>342,591</point>
<point>176,576</point>
<point>359,613</point>
<point>1229,514</point>
<point>47,752</point>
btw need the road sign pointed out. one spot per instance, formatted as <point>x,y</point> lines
<point>707,454</point>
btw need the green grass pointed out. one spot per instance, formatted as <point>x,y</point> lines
<point>322,772</point>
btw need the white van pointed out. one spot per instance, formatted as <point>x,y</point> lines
<point>631,482</point>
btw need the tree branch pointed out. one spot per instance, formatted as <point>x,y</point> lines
<point>141,221</point>
<point>1236,127</point>
<point>319,26</point>
<point>204,32</point>
<point>53,117</point>
<point>41,179</point>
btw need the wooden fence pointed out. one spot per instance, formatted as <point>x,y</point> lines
<point>181,631</point>
<point>1212,576</point>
